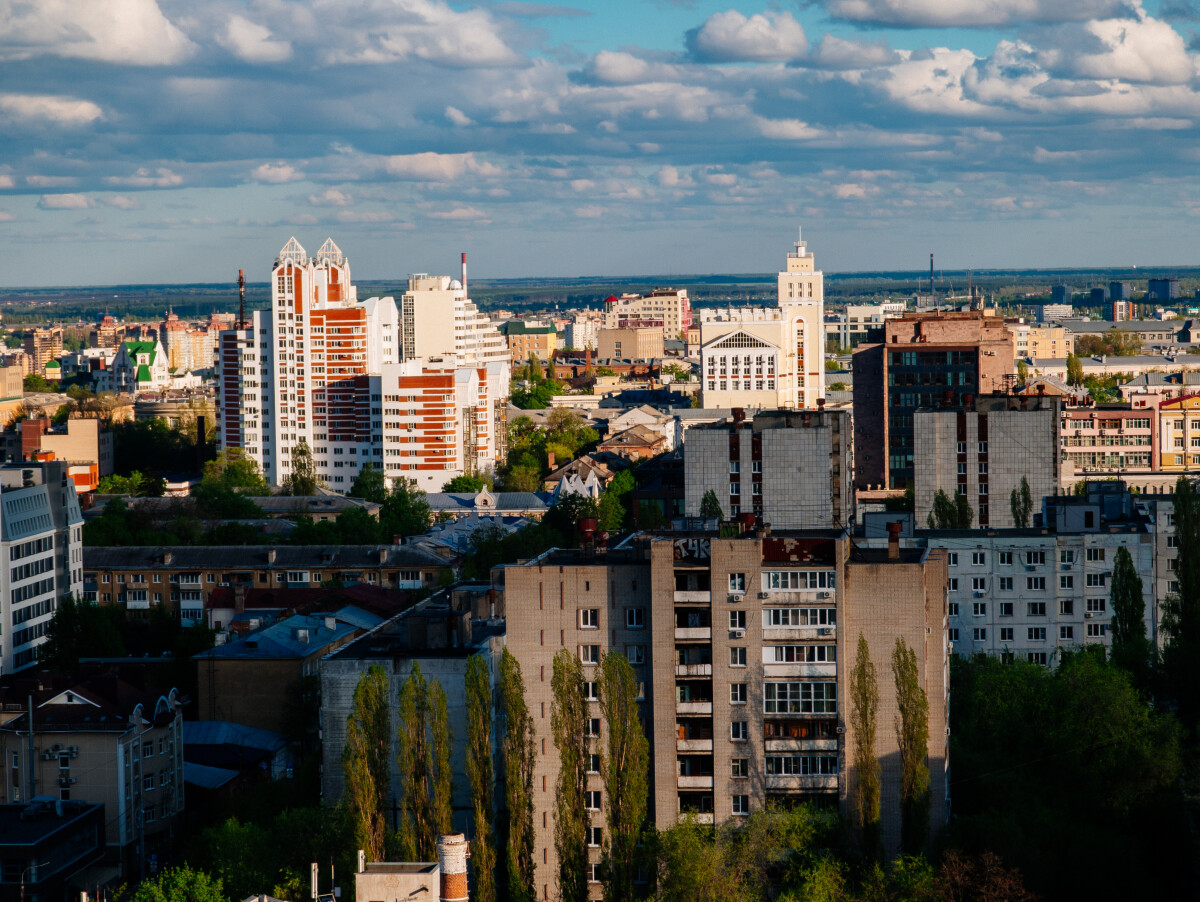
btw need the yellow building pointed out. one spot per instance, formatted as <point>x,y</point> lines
<point>1039,340</point>
<point>1179,434</point>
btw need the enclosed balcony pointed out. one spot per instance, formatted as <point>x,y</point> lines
<point>693,624</point>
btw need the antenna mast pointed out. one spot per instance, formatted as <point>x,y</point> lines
<point>241,323</point>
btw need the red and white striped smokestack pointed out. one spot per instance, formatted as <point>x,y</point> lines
<point>464,274</point>
<point>452,856</point>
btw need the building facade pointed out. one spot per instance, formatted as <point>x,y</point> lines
<point>42,346</point>
<point>790,469</point>
<point>768,357</point>
<point>630,343</point>
<point>137,366</point>
<point>427,328</point>
<point>666,309</point>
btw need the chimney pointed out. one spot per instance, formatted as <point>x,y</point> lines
<point>239,597</point>
<point>453,850</point>
<point>893,530</point>
<point>821,405</point>
<point>331,625</point>
<point>383,553</point>
<point>739,414</point>
<point>271,555</point>
<point>362,861</point>
<point>464,273</point>
<point>550,460</point>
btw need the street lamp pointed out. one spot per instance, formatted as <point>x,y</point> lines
<point>32,866</point>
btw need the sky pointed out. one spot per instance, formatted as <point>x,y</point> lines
<point>147,141</point>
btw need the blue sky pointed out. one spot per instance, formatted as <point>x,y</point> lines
<point>174,141</point>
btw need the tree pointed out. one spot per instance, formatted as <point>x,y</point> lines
<point>77,629</point>
<point>232,469</point>
<point>417,842</point>
<point>1020,502</point>
<point>864,710</point>
<point>912,735</point>
<point>567,719</point>
<point>405,511</point>
<point>710,506</point>
<point>303,478</point>
<point>37,383</point>
<point>1181,610</point>
<point>1074,371</point>
<point>182,884</point>
<point>464,484</point>
<point>441,777</point>
<point>1022,372</point>
<point>624,768</point>
<point>1131,649</point>
<point>950,513</point>
<point>517,754</point>
<point>136,484</point>
<point>370,484</point>
<point>478,686</point>
<point>366,761</point>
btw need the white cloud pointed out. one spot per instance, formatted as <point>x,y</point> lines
<point>129,32</point>
<point>331,197</point>
<point>64,202</point>
<point>252,42</point>
<point>66,111</point>
<point>458,213</point>
<point>276,173</point>
<point>669,177</point>
<point>121,202</point>
<point>436,167</point>
<point>50,181</point>
<point>5,216</point>
<point>1145,50</point>
<point>617,67</point>
<point>366,216</point>
<point>458,117</point>
<point>787,129</point>
<point>6,181</point>
<point>144,177</point>
<point>950,13</point>
<point>732,37</point>
<point>833,52</point>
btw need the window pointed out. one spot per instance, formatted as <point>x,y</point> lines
<point>982,448</point>
<point>1096,605</point>
<point>635,618</point>
<point>1006,584</point>
<point>962,447</point>
<point>589,692</point>
<point>798,579</point>
<point>737,693</point>
<point>589,618</point>
<point>738,731</point>
<point>1096,580</point>
<point>801,765</point>
<point>978,584</point>
<point>1006,558</point>
<point>983,469</point>
<point>1097,630</point>
<point>1066,557</point>
<point>737,582</point>
<point>953,608</point>
<point>801,654</point>
<point>737,620</point>
<point>1066,607</point>
<point>979,609</point>
<point>1066,632</point>
<point>740,768</point>
<point>1036,609</point>
<point>592,800</point>
<point>147,749</point>
<point>737,656</point>
<point>774,618</point>
<point>1039,657</point>
<point>593,764</point>
<point>1036,583</point>
<point>1006,634</point>
<point>589,654</point>
<point>1034,558</point>
<point>979,558</point>
<point>595,836</point>
<point>148,781</point>
<point>735,466</point>
<point>953,634</point>
<point>1037,634</point>
<point>735,488</point>
<point>979,634</point>
<point>952,584</point>
<point>962,469</point>
<point>1095,554</point>
<point>952,558</point>
<point>636,654</point>
<point>592,728</point>
<point>1066,581</point>
<point>800,698</point>
<point>741,804</point>
<point>1006,609</point>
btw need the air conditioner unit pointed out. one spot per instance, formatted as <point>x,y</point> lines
<point>739,634</point>
<point>825,631</point>
<point>1066,566</point>
<point>980,594</point>
<point>1089,615</point>
<point>764,594</point>
<point>823,594</point>
<point>1030,568</point>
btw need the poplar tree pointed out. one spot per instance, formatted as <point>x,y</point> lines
<point>567,720</point>
<point>710,506</point>
<point>479,773</point>
<point>1181,611</point>
<point>1020,503</point>
<point>518,751</point>
<point>416,812</point>
<point>912,735</point>
<point>624,768</point>
<point>864,710</point>
<point>366,761</point>
<point>1130,647</point>
<point>440,775</point>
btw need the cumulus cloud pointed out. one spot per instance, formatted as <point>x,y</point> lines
<point>436,167</point>
<point>1144,50</point>
<point>128,32</point>
<point>363,216</point>
<point>50,181</point>
<point>732,37</point>
<point>618,67</point>
<point>6,181</point>
<point>458,117</point>
<point>145,177</point>
<point>276,173</point>
<point>5,216</point>
<point>64,202</point>
<point>253,43</point>
<point>952,13</point>
<point>458,213</point>
<point>121,202</point>
<point>787,129</point>
<point>331,197</point>
<point>65,111</point>
<point>833,52</point>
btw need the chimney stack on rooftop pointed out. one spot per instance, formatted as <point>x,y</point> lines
<point>893,530</point>
<point>453,851</point>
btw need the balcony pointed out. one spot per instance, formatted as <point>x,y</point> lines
<point>801,745</point>
<point>695,782</point>
<point>703,708</point>
<point>800,632</point>
<point>693,597</point>
<point>137,605</point>
<point>693,670</point>
<point>694,632</point>
<point>693,745</point>
<point>705,817</point>
<point>819,783</point>
<point>770,669</point>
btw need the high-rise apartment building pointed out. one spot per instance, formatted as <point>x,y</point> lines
<point>323,367</point>
<point>984,450</point>
<point>926,361</point>
<point>790,468</point>
<point>437,318</point>
<point>768,357</point>
<point>42,346</point>
<point>743,646</point>
<point>667,309</point>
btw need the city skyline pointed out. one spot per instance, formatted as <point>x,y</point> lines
<point>154,142</point>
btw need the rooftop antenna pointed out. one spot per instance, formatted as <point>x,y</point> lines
<point>931,289</point>
<point>241,323</point>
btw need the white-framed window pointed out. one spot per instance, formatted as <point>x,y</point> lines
<point>1039,657</point>
<point>1097,630</point>
<point>737,620</point>
<point>1096,605</point>
<point>953,631</point>
<point>739,768</point>
<point>592,800</point>
<point>1035,558</point>
<point>979,634</point>
<point>798,580</point>
<point>741,805</point>
<point>978,583</point>
<point>979,558</point>
<point>1096,580</point>
<point>589,618</point>
<point>1036,609</point>
<point>801,765</point>
<point>1066,632</point>
<point>1006,558</point>
<point>737,582</point>
<point>1006,584</point>
<point>1066,581</point>
<point>799,698</point>
<point>979,609</point>
<point>636,654</point>
<point>595,836</point>
<point>737,656</point>
<point>739,731</point>
<point>952,558</point>
<point>952,584</point>
<point>590,691</point>
<point>800,654</point>
<point>1037,634</point>
<point>952,608</point>
<point>593,764</point>
<point>1066,607</point>
<point>1006,634</point>
<point>1066,556</point>
<point>1035,583</point>
<point>1095,554</point>
<point>737,693</point>
<point>589,654</point>
<point>776,618</point>
<point>635,618</point>
<point>295,576</point>
<point>592,728</point>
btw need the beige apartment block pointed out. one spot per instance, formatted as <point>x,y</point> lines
<point>743,646</point>
<point>630,344</point>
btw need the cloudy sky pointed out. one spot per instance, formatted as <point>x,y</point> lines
<point>176,141</point>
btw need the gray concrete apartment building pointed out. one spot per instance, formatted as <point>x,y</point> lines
<point>743,646</point>
<point>790,468</point>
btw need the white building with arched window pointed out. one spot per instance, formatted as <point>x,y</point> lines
<point>768,357</point>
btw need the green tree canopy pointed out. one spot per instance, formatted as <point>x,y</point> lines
<point>182,884</point>
<point>370,484</point>
<point>710,506</point>
<point>464,484</point>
